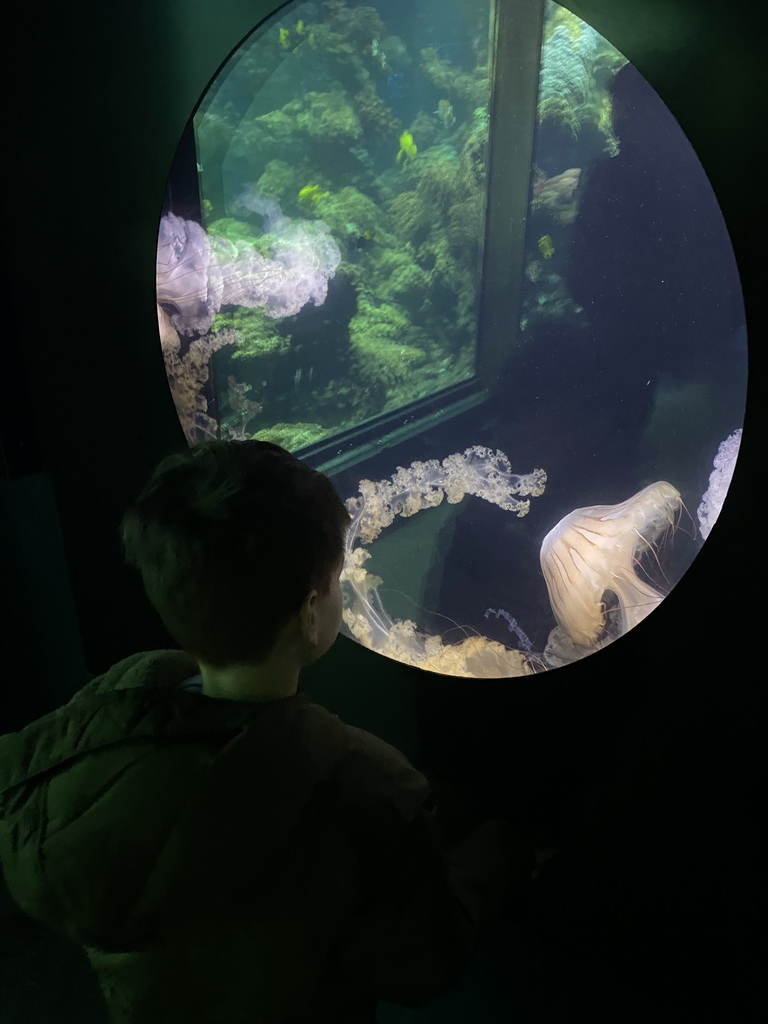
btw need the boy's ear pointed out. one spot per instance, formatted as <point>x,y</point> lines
<point>308,614</point>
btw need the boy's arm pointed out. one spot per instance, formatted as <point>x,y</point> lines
<point>424,907</point>
<point>483,868</point>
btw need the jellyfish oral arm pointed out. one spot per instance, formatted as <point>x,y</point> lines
<point>478,471</point>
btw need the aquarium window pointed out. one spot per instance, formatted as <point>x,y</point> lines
<point>462,258</point>
<point>320,255</point>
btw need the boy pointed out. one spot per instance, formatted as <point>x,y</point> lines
<point>225,850</point>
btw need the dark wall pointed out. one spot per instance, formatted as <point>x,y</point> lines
<point>96,98</point>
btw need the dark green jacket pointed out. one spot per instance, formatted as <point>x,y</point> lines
<point>225,862</point>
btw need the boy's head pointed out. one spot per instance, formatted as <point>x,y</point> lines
<point>230,538</point>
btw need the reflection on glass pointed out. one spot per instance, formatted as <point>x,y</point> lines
<point>341,159</point>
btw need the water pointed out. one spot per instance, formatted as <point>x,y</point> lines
<point>332,275</point>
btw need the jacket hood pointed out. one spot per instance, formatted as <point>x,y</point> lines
<point>102,799</point>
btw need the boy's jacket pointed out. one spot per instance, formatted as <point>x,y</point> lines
<point>227,861</point>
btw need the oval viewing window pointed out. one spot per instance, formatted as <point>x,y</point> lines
<point>499,307</point>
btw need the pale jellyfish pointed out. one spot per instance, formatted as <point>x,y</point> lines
<point>478,471</point>
<point>592,554</point>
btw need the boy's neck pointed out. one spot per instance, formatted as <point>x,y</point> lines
<point>250,682</point>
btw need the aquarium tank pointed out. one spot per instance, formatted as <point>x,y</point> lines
<point>461,257</point>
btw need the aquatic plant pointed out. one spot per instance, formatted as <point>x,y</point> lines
<point>439,182</point>
<point>379,334</point>
<point>292,436</point>
<point>573,56</point>
<point>403,282</point>
<point>409,216</point>
<point>566,71</point>
<point>455,81</point>
<point>257,331</point>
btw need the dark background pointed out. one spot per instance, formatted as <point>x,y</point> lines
<point>641,764</point>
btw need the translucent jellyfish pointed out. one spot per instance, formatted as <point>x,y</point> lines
<point>478,471</point>
<point>719,481</point>
<point>590,557</point>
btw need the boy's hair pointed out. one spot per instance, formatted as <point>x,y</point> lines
<point>229,538</point>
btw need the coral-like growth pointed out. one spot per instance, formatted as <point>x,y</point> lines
<point>557,196</point>
<point>329,116</point>
<point>350,213</point>
<point>454,81</point>
<point>346,31</point>
<point>374,113</point>
<point>570,94</point>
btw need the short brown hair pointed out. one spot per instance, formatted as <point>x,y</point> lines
<point>229,538</point>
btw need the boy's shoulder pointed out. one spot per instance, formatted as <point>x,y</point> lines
<point>374,768</point>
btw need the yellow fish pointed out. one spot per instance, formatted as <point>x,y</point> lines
<point>407,147</point>
<point>545,247</point>
<point>311,192</point>
<point>445,113</point>
<point>284,34</point>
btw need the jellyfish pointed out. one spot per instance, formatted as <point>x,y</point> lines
<point>477,471</point>
<point>592,554</point>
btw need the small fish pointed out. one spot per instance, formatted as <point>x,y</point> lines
<point>365,241</point>
<point>445,114</point>
<point>407,147</point>
<point>284,34</point>
<point>545,247</point>
<point>396,86</point>
<point>311,193</point>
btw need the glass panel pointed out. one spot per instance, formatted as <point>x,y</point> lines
<point>332,273</point>
<point>627,384</point>
<point>322,269</point>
